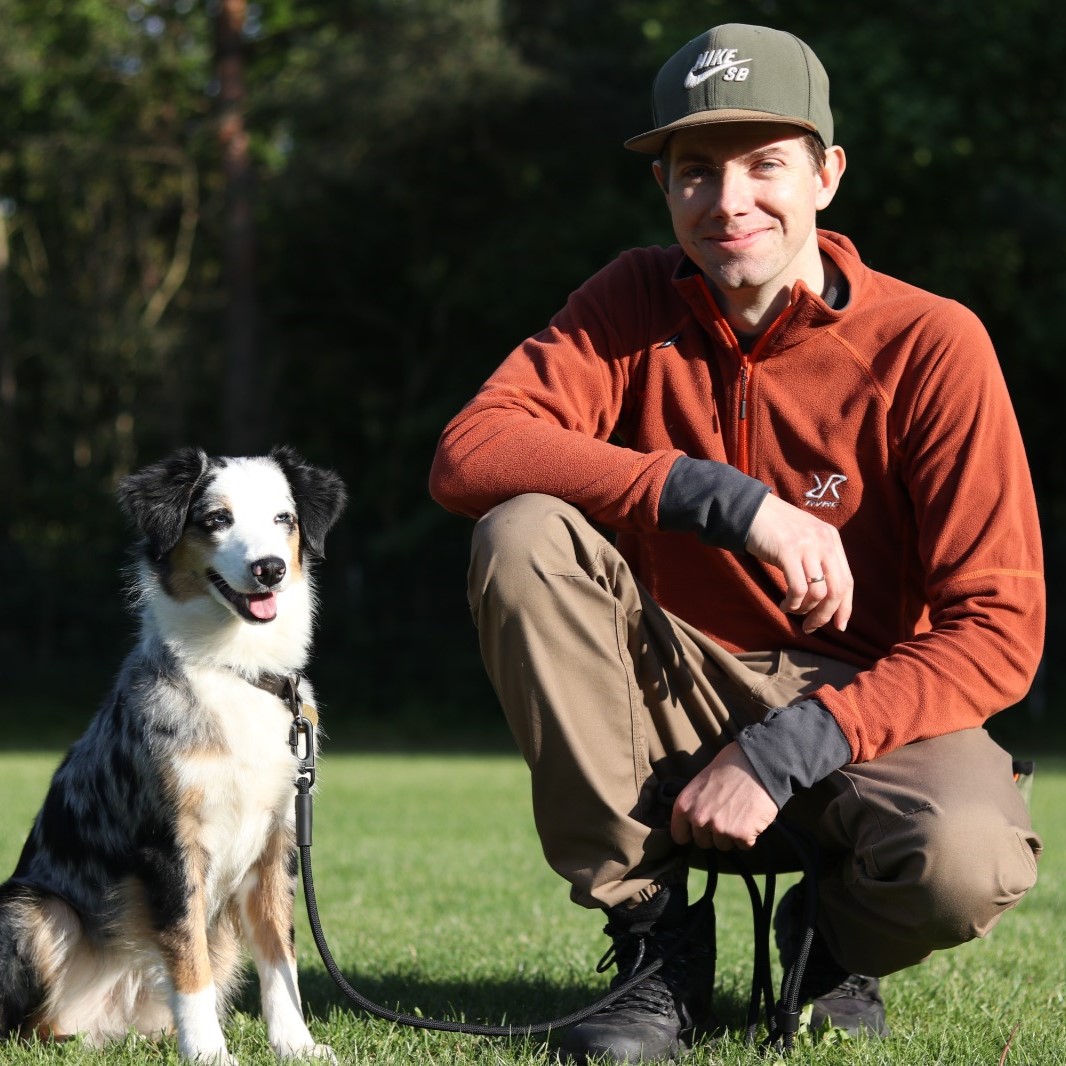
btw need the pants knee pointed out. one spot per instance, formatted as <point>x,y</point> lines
<point>980,867</point>
<point>509,530</point>
<point>517,540</point>
<point>958,875</point>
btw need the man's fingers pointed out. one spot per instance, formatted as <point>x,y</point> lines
<point>812,561</point>
<point>798,588</point>
<point>828,600</point>
<point>680,828</point>
<point>843,615</point>
<point>706,837</point>
<point>808,588</point>
<point>833,604</point>
<point>724,806</point>
<point>821,603</point>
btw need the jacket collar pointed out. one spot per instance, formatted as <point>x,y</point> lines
<point>806,310</point>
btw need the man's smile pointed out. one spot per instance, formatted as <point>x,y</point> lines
<point>735,242</point>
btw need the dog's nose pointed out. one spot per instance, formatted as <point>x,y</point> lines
<point>269,571</point>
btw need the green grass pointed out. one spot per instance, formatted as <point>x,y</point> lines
<point>435,898</point>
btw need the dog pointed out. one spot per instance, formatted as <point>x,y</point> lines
<point>167,834</point>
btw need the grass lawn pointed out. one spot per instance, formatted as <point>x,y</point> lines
<point>434,898</point>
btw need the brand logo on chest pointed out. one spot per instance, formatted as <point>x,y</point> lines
<point>826,491</point>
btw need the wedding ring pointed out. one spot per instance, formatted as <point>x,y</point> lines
<point>815,580</point>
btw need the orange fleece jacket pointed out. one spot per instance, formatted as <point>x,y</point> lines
<point>888,418</point>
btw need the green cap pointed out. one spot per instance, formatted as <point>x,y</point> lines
<point>738,73</point>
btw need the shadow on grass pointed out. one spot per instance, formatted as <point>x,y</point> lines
<point>516,1003</point>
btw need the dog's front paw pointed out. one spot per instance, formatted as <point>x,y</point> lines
<point>206,1056</point>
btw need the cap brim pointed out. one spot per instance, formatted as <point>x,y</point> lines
<point>653,140</point>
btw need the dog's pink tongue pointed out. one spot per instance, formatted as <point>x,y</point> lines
<point>264,605</point>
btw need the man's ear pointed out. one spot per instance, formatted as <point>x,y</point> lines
<point>829,176</point>
<point>661,176</point>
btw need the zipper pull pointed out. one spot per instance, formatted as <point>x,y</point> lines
<point>744,389</point>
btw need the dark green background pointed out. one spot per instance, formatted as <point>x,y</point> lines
<point>431,179</point>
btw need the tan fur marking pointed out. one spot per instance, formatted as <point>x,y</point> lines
<point>188,803</point>
<point>269,904</point>
<point>133,923</point>
<point>294,553</point>
<point>43,1032</point>
<point>39,929</point>
<point>184,948</point>
<point>37,924</point>
<point>224,944</point>
<point>185,580</point>
<point>184,945</point>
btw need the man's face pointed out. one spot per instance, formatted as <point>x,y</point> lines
<point>743,199</point>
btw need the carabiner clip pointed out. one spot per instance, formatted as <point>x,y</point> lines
<point>303,753</point>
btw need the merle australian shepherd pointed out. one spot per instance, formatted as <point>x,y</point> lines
<point>166,838</point>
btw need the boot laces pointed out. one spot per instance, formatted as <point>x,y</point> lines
<point>855,986</point>
<point>633,948</point>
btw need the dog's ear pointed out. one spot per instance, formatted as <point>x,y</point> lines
<point>319,494</point>
<point>157,498</point>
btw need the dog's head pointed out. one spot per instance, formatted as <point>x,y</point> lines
<point>238,531</point>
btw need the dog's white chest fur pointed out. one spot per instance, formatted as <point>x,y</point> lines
<point>242,790</point>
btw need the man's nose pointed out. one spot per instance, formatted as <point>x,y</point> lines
<point>732,193</point>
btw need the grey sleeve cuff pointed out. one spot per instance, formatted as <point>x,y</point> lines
<point>794,747</point>
<point>714,500</point>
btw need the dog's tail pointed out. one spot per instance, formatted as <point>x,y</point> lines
<point>21,988</point>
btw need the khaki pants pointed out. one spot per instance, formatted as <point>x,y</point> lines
<point>613,701</point>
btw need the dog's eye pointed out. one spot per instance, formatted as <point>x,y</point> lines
<point>285,518</point>
<point>217,520</point>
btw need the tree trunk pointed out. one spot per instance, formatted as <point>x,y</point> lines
<point>242,391</point>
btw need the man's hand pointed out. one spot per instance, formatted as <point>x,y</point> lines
<point>724,805</point>
<point>809,554</point>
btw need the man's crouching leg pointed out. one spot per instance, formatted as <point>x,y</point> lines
<point>933,844</point>
<point>567,636</point>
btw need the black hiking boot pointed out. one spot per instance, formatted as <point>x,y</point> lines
<point>671,1007</point>
<point>841,1000</point>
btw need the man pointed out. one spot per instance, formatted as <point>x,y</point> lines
<point>752,417</point>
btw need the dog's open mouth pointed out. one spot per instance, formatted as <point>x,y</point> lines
<point>251,606</point>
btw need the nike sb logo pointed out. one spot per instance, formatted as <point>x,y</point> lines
<point>714,62</point>
<point>825,494</point>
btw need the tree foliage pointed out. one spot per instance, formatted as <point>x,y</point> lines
<point>431,178</point>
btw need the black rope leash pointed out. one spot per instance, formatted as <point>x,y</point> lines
<point>303,842</point>
<point>782,1017</point>
<point>782,1022</point>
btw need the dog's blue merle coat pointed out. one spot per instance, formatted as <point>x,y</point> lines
<point>166,834</point>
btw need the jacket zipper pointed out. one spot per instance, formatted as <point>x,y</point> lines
<point>747,371</point>
<point>742,414</point>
